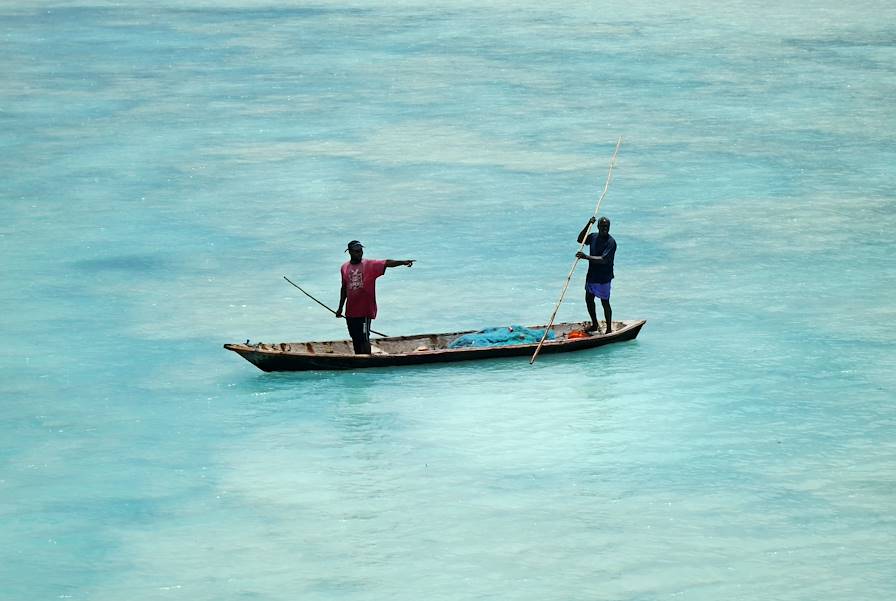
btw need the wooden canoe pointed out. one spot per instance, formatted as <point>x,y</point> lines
<point>416,350</point>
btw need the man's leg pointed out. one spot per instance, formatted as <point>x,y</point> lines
<point>366,335</point>
<point>589,302</point>
<point>359,330</point>
<point>608,314</point>
<point>353,331</point>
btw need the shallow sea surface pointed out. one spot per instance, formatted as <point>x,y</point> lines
<point>163,167</point>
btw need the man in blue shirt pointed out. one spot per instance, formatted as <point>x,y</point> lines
<point>602,248</point>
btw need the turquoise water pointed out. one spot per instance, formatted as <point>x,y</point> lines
<point>163,168</point>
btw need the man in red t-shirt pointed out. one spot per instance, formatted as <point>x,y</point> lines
<point>359,289</point>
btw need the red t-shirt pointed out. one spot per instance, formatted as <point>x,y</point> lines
<point>360,286</point>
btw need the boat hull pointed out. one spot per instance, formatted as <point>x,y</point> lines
<point>305,356</point>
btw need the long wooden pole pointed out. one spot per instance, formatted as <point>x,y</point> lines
<point>581,246</point>
<point>324,306</point>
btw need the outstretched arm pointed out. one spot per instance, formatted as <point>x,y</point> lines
<point>584,231</point>
<point>394,263</point>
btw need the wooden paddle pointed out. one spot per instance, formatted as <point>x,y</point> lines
<point>324,306</point>
<point>581,246</point>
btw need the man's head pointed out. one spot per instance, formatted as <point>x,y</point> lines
<point>355,250</point>
<point>603,226</point>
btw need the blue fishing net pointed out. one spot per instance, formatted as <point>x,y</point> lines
<point>502,336</point>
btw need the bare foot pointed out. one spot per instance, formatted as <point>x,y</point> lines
<point>593,328</point>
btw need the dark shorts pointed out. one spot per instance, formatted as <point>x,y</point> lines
<point>601,291</point>
<point>359,330</point>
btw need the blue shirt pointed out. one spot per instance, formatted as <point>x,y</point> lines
<point>600,273</point>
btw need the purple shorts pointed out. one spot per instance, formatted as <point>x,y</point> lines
<point>601,291</point>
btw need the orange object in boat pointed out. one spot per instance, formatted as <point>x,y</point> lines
<point>578,334</point>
